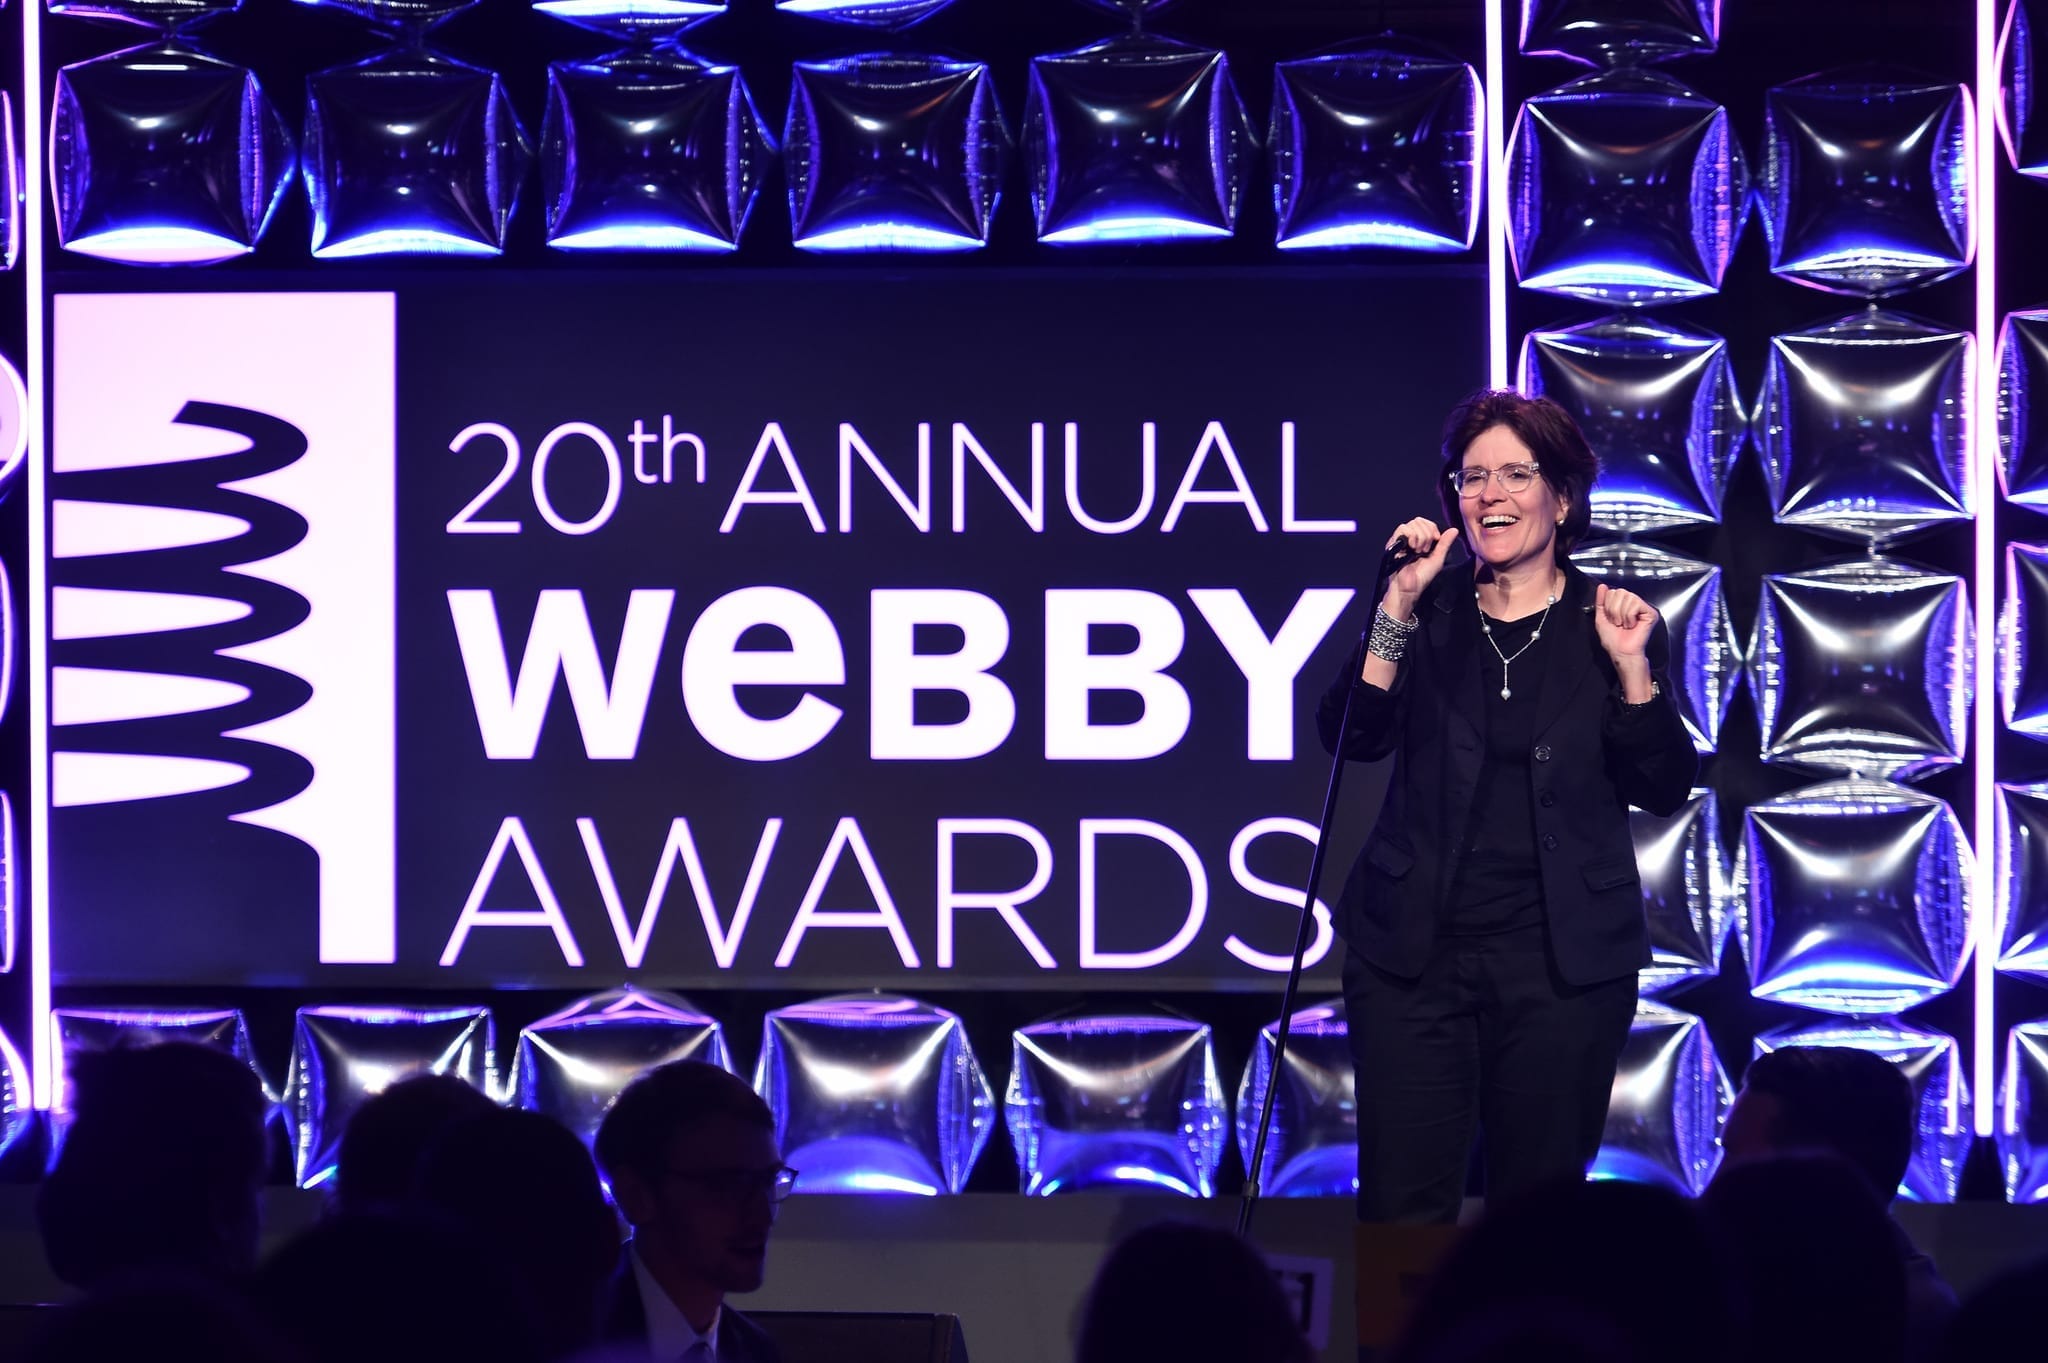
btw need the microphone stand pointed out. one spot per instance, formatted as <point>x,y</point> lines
<point>1255,1165</point>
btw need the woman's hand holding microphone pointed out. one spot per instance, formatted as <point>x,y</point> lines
<point>1431,545</point>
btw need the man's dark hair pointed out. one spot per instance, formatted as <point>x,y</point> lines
<point>1563,458</point>
<point>380,1150</point>
<point>1190,1293</point>
<point>1849,1103</point>
<point>636,1130</point>
<point>162,1166</point>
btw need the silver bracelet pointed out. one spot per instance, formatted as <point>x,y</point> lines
<point>1390,636</point>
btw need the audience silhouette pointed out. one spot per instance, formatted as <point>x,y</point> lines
<point>1190,1294</point>
<point>162,1167</point>
<point>381,1147</point>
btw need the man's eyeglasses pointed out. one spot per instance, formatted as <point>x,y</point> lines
<point>738,1185</point>
<point>1512,478</point>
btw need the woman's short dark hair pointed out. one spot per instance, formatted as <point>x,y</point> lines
<point>1567,462</point>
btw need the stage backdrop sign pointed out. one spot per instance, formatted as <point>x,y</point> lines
<point>938,629</point>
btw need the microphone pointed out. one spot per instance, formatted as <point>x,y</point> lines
<point>1396,557</point>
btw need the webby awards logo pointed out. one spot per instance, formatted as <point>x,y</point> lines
<point>222,560</point>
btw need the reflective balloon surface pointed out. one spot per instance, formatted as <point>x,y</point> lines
<point>81,1031</point>
<point>1136,139</point>
<point>633,18</point>
<point>1376,146</point>
<point>2023,1113</point>
<point>1863,666</point>
<point>342,1055</point>
<point>571,1064</point>
<point>1669,1100</point>
<point>886,14</point>
<point>875,1093</point>
<point>1685,891</point>
<point>1624,187</point>
<point>17,1109</point>
<point>1706,662</point>
<point>411,153</point>
<point>1864,426</point>
<point>2020,124</point>
<point>1658,404</point>
<point>2022,417</point>
<point>406,14</point>
<point>2023,640</point>
<point>168,15</point>
<point>162,155</point>
<point>1613,32</point>
<point>1312,1145</point>
<point>893,153</point>
<point>1116,1101</point>
<point>10,212</point>
<point>1855,897</point>
<point>1933,1063</point>
<point>1865,186</point>
<point>2022,894</point>
<point>650,151</point>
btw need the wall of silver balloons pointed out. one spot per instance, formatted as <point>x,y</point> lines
<point>1715,251</point>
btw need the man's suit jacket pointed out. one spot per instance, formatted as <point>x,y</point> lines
<point>625,1323</point>
<point>1591,759</point>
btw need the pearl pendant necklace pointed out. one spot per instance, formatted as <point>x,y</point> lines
<point>1486,628</point>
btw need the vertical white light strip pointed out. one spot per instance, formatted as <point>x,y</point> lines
<point>38,672</point>
<point>1496,200</point>
<point>1984,569</point>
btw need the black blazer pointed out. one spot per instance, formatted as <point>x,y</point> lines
<point>625,1322</point>
<point>1592,760</point>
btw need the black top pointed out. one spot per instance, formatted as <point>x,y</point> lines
<point>1496,884</point>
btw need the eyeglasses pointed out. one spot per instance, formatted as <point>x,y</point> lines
<point>739,1185</point>
<point>1512,477</point>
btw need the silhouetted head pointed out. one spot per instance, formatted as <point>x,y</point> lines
<point>1835,1100</point>
<point>1818,1259</point>
<point>1624,1260</point>
<point>527,1188</point>
<point>162,1166</point>
<point>1190,1294</point>
<point>384,1288</point>
<point>691,1155</point>
<point>164,1318</point>
<point>380,1150</point>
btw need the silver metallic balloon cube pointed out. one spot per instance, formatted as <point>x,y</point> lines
<point>10,189</point>
<point>413,17</point>
<point>571,1064</point>
<point>1657,402</point>
<point>1136,138</point>
<point>162,155</point>
<point>83,1031</point>
<point>2020,123</point>
<point>1620,32</point>
<point>411,153</point>
<point>1669,1100</point>
<point>650,150</point>
<point>1127,1101</point>
<point>893,153</point>
<point>169,16</point>
<point>2022,1123</point>
<point>10,867</point>
<point>1624,187</point>
<point>17,1106</point>
<point>1376,146</point>
<point>1312,1146</point>
<point>2022,385</point>
<point>1686,889</point>
<point>1864,426</point>
<point>1706,661</point>
<point>2023,640</point>
<point>1863,666</point>
<point>633,19</point>
<point>1865,184</point>
<point>875,1093</point>
<point>1855,897</point>
<point>2022,882</point>
<point>1933,1062</point>
<point>883,14</point>
<point>342,1055</point>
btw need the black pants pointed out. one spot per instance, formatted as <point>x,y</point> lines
<point>1488,1038</point>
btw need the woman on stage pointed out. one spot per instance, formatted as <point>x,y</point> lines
<point>1494,919</point>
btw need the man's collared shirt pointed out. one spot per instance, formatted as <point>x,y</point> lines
<point>670,1336</point>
